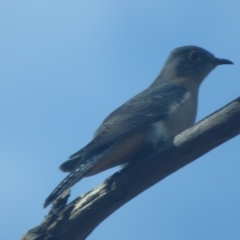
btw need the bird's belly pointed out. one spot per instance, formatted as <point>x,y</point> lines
<point>118,154</point>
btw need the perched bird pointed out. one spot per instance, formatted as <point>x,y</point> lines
<point>166,108</point>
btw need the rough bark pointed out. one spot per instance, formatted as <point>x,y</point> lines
<point>79,218</point>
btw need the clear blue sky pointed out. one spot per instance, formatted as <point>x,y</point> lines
<point>65,65</point>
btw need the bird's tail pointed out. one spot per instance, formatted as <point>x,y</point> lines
<point>80,171</point>
<point>76,175</point>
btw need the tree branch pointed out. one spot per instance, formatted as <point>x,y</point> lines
<point>79,218</point>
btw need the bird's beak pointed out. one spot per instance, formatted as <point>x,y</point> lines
<point>220,61</point>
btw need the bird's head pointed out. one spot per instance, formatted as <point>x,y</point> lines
<point>190,63</point>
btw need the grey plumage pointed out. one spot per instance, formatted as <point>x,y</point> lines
<point>156,114</point>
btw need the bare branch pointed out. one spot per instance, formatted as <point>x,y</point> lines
<point>78,219</point>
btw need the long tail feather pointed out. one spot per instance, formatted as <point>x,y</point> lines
<point>76,175</point>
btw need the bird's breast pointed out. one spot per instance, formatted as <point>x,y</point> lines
<point>179,118</point>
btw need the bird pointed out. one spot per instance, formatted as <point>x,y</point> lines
<point>160,112</point>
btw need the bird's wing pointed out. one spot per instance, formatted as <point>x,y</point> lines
<point>147,107</point>
<point>150,106</point>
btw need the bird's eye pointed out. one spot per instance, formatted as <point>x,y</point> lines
<point>194,56</point>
